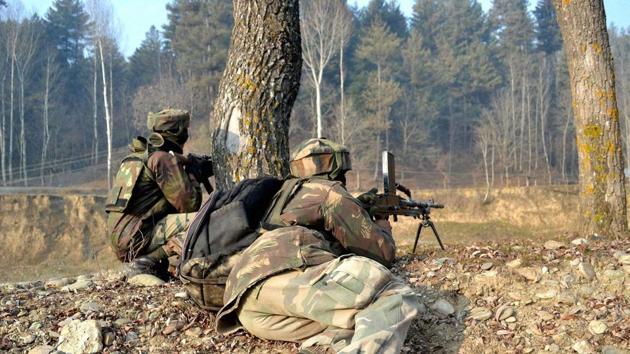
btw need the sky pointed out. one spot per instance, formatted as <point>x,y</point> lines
<point>137,16</point>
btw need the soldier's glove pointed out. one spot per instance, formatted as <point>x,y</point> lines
<point>201,167</point>
<point>368,198</point>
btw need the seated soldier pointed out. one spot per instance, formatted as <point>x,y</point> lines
<point>153,198</point>
<point>320,277</point>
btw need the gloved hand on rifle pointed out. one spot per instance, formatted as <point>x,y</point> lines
<point>200,166</point>
<point>369,199</point>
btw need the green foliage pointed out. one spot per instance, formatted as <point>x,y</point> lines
<point>145,65</point>
<point>513,27</point>
<point>386,12</point>
<point>199,33</point>
<point>425,84</point>
<point>67,28</point>
<point>548,36</point>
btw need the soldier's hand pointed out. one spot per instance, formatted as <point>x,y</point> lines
<point>368,198</point>
<point>384,224</point>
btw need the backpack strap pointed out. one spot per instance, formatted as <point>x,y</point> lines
<point>272,219</point>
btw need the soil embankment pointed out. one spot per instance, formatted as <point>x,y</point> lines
<point>46,235</point>
<point>63,233</point>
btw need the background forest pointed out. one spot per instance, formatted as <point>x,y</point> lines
<point>463,97</point>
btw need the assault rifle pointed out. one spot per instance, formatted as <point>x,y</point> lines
<point>388,203</point>
<point>200,166</point>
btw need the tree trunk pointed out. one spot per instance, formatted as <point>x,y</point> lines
<point>11,112</point>
<point>46,134</point>
<point>22,139</point>
<point>95,110</point>
<point>342,103</point>
<point>111,94</point>
<point>484,152</point>
<point>107,118</point>
<point>602,205</point>
<point>2,135</point>
<point>318,103</point>
<point>544,110</point>
<point>565,133</point>
<point>257,91</point>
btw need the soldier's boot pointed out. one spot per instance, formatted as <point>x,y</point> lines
<point>154,263</point>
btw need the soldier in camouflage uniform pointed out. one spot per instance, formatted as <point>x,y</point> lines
<point>322,279</point>
<point>153,198</point>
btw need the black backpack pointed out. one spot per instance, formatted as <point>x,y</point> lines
<point>227,223</point>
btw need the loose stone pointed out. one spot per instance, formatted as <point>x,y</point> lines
<point>480,313</point>
<point>443,307</point>
<point>597,327</point>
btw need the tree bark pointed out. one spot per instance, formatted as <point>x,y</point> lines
<point>602,205</point>
<point>257,91</point>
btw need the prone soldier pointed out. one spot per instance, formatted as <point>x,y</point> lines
<point>153,198</point>
<point>320,274</point>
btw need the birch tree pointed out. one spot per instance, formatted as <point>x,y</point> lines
<point>27,47</point>
<point>51,77</point>
<point>345,31</point>
<point>101,13</point>
<point>602,202</point>
<point>321,22</point>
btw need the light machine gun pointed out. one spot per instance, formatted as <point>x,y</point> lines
<point>381,206</point>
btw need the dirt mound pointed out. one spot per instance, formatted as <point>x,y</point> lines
<point>44,235</point>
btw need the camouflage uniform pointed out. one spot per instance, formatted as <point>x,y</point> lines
<point>325,285</point>
<point>164,195</point>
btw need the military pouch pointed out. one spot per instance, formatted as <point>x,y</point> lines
<point>124,183</point>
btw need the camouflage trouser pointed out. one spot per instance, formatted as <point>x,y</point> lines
<point>353,304</point>
<point>169,233</point>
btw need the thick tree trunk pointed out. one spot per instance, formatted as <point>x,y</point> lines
<point>257,91</point>
<point>602,206</point>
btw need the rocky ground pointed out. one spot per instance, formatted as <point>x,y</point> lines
<point>564,296</point>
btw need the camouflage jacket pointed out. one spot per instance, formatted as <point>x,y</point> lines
<point>163,188</point>
<point>337,225</point>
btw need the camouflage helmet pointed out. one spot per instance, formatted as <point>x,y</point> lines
<point>174,121</point>
<point>320,157</point>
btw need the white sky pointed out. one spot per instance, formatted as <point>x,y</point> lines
<point>137,16</point>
